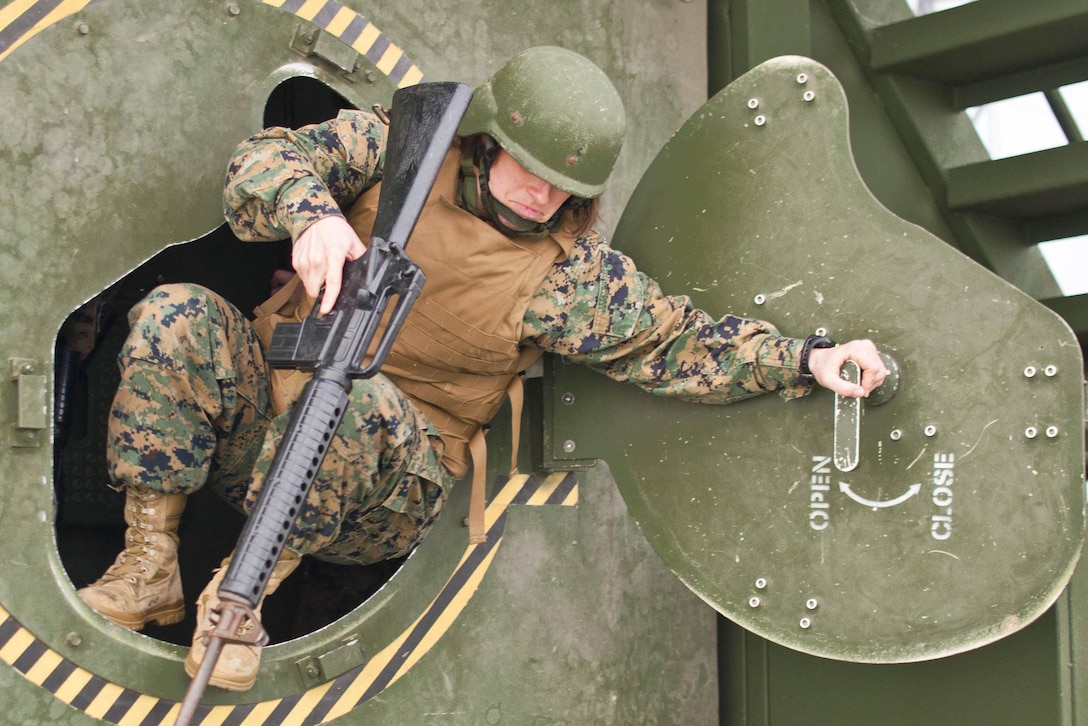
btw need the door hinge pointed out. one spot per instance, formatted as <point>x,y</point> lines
<point>31,409</point>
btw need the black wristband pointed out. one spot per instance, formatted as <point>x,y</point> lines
<point>812,341</point>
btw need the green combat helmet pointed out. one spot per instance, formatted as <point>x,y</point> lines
<point>557,114</point>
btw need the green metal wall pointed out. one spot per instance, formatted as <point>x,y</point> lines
<point>908,81</point>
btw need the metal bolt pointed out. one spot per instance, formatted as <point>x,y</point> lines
<point>1051,370</point>
<point>569,446</point>
<point>761,583</point>
<point>754,602</point>
<point>753,103</point>
<point>568,399</point>
<point>895,435</point>
<point>1031,432</point>
<point>930,430</point>
<point>759,299</point>
<point>28,368</point>
<point>233,9</point>
<point>760,120</point>
<point>74,639</point>
<point>809,96</point>
<point>805,623</point>
<point>802,78</point>
<point>83,28</point>
<point>1029,372</point>
<point>1052,431</point>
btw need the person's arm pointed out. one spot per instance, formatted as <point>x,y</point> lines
<point>296,183</point>
<point>597,309</point>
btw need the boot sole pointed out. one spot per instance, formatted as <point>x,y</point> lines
<point>168,615</point>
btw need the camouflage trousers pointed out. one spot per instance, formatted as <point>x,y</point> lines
<point>193,410</point>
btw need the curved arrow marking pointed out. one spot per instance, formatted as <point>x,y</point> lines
<point>845,489</point>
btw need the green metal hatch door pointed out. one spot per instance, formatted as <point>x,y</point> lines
<point>944,518</point>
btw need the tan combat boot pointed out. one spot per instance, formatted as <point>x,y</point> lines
<point>143,585</point>
<point>236,669</point>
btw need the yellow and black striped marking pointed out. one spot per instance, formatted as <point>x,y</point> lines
<point>112,703</point>
<point>23,19</point>
<point>359,33</point>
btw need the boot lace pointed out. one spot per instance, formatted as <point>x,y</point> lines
<point>141,541</point>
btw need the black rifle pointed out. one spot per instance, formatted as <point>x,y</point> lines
<point>422,123</point>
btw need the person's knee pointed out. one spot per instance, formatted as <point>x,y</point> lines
<point>170,305</point>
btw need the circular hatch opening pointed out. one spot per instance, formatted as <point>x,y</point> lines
<point>89,518</point>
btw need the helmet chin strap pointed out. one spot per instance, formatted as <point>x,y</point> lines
<point>475,173</point>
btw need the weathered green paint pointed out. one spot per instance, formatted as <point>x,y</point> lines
<point>895,571</point>
<point>114,156</point>
<point>114,150</point>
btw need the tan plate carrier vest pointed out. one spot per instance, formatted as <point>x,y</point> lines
<point>457,356</point>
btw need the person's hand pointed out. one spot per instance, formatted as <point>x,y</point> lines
<point>824,364</point>
<point>319,254</point>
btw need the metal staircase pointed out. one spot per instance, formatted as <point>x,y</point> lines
<point>930,68</point>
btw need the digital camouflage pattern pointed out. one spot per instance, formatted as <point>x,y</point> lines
<point>193,408</point>
<point>595,307</point>
<point>193,397</point>
<point>281,181</point>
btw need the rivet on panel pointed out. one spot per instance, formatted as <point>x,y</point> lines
<point>895,435</point>
<point>568,399</point>
<point>1051,370</point>
<point>760,120</point>
<point>1031,432</point>
<point>753,103</point>
<point>1052,432</point>
<point>809,96</point>
<point>811,603</point>
<point>802,78</point>
<point>930,430</point>
<point>759,299</point>
<point>569,446</point>
<point>805,623</point>
<point>1029,372</point>
<point>761,583</point>
<point>754,602</point>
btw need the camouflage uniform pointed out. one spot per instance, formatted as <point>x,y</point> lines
<point>595,307</point>
<point>193,407</point>
<point>194,403</point>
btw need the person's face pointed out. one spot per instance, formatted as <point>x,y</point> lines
<point>527,195</point>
